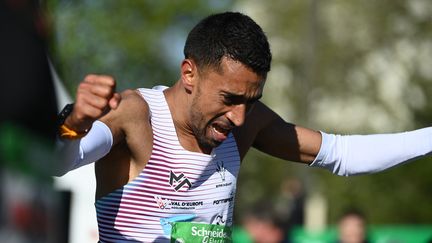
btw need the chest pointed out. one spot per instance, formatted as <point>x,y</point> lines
<point>183,182</point>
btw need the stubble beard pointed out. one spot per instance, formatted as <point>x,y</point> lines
<point>200,126</point>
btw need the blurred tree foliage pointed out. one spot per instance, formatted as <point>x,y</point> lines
<point>138,42</point>
<point>349,67</point>
<point>339,66</point>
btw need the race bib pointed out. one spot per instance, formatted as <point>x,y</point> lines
<point>185,232</point>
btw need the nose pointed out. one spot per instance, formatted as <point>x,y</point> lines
<point>237,114</point>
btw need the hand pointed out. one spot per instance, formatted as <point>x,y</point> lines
<point>95,97</point>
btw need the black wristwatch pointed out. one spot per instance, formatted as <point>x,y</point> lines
<point>67,110</point>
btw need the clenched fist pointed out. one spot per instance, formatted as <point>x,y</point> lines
<point>95,97</point>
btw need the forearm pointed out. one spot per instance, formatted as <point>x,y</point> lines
<point>72,154</point>
<point>360,154</point>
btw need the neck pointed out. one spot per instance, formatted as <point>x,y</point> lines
<point>179,102</point>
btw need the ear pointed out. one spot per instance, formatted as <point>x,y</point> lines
<point>188,74</point>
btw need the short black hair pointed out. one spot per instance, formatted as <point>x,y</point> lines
<point>229,34</point>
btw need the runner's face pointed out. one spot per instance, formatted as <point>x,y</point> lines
<point>222,100</point>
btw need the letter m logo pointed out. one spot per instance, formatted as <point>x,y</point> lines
<point>179,181</point>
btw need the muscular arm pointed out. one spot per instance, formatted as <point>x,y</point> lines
<point>115,127</point>
<point>130,124</point>
<point>269,133</point>
<point>96,99</point>
<point>132,144</point>
<point>342,155</point>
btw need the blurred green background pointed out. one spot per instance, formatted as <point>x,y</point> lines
<point>350,67</point>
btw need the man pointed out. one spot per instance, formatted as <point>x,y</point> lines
<point>264,224</point>
<point>168,159</point>
<point>352,227</point>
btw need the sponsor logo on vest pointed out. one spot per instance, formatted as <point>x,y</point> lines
<point>162,203</point>
<point>221,170</point>
<point>168,204</point>
<point>209,235</point>
<point>200,232</point>
<point>222,173</point>
<point>224,184</point>
<point>218,220</point>
<point>178,181</point>
<point>225,200</point>
<point>186,205</point>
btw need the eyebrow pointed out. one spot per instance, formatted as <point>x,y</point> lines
<point>240,96</point>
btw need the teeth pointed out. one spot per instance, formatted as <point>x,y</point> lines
<point>219,130</point>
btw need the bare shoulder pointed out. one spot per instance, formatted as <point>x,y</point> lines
<point>133,111</point>
<point>134,103</point>
<point>258,118</point>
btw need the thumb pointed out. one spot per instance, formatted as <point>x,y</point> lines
<point>114,101</point>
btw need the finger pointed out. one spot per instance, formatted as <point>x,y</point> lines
<point>100,90</point>
<point>114,102</point>
<point>100,79</point>
<point>88,98</point>
<point>83,115</point>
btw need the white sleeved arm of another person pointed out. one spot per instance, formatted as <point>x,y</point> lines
<point>361,154</point>
<point>72,154</point>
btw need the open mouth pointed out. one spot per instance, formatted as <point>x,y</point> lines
<point>220,132</point>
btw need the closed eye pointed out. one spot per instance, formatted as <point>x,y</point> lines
<point>232,99</point>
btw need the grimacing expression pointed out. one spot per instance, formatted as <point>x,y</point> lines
<point>221,101</point>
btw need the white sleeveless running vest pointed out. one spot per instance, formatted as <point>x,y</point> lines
<point>175,185</point>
